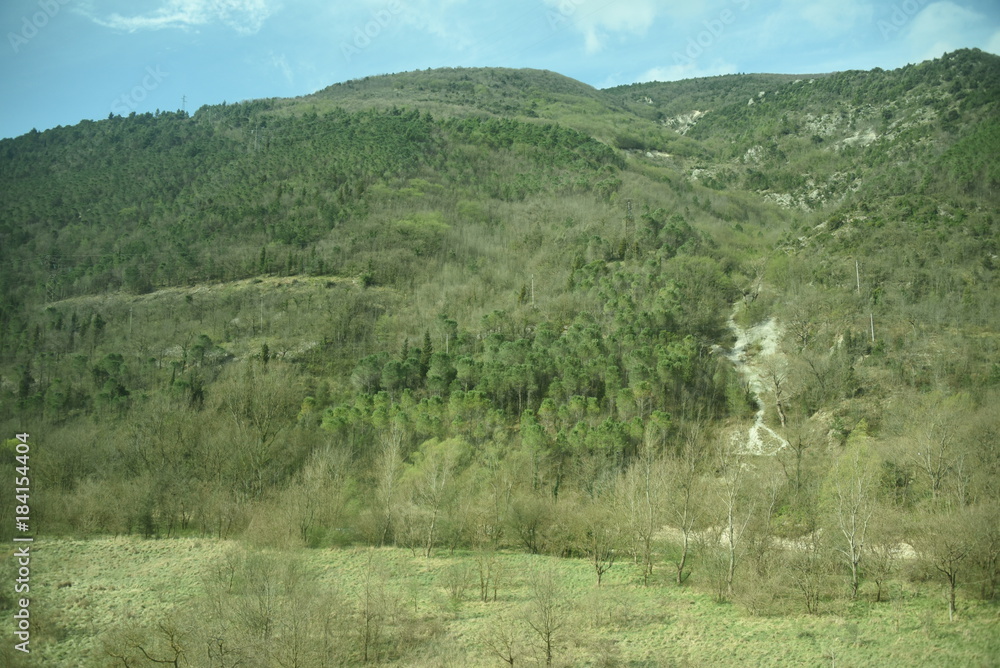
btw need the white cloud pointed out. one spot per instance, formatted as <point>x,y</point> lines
<point>435,19</point>
<point>441,19</point>
<point>941,27</point>
<point>244,16</point>
<point>281,63</point>
<point>597,18</point>
<point>689,70</point>
<point>834,17</point>
<point>797,23</point>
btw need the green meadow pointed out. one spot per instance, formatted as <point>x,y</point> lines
<point>310,607</point>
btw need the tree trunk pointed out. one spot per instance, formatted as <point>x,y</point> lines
<point>952,581</point>
<point>683,560</point>
<point>430,534</point>
<point>731,572</point>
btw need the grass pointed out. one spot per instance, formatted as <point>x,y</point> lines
<point>83,589</point>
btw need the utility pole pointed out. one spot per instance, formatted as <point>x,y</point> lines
<point>629,228</point>
<point>184,103</point>
<point>871,316</point>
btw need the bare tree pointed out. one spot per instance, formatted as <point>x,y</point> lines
<point>750,278</point>
<point>432,480</point>
<point>738,505</point>
<point>985,552</point>
<point>133,646</point>
<point>774,370</point>
<point>309,629</point>
<point>504,638</point>
<point>545,613</point>
<point>321,493</point>
<point>491,571</point>
<point>530,519</point>
<point>932,440</point>
<point>598,537</point>
<point>638,501</point>
<point>802,436</point>
<point>457,577</point>
<point>388,469</point>
<point>883,547</point>
<point>801,317</point>
<point>983,435</point>
<point>852,495</point>
<point>261,401</point>
<point>807,564</point>
<point>262,609</point>
<point>372,610</point>
<point>501,474</point>
<point>943,540</point>
<point>684,476</point>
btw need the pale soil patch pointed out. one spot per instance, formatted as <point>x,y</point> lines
<point>756,346</point>
<point>684,122</point>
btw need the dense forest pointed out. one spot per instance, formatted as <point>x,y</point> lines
<point>500,314</point>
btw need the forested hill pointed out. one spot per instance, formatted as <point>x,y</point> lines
<point>510,277</point>
<point>142,195</point>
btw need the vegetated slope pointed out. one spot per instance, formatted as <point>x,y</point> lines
<point>664,100</point>
<point>497,91</point>
<point>494,92</point>
<point>480,307</point>
<point>818,139</point>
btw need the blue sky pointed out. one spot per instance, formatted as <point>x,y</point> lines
<point>67,60</point>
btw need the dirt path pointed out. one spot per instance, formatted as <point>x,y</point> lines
<point>756,347</point>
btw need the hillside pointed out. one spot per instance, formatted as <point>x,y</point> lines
<point>488,311</point>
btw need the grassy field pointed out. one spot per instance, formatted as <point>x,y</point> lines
<point>88,595</point>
